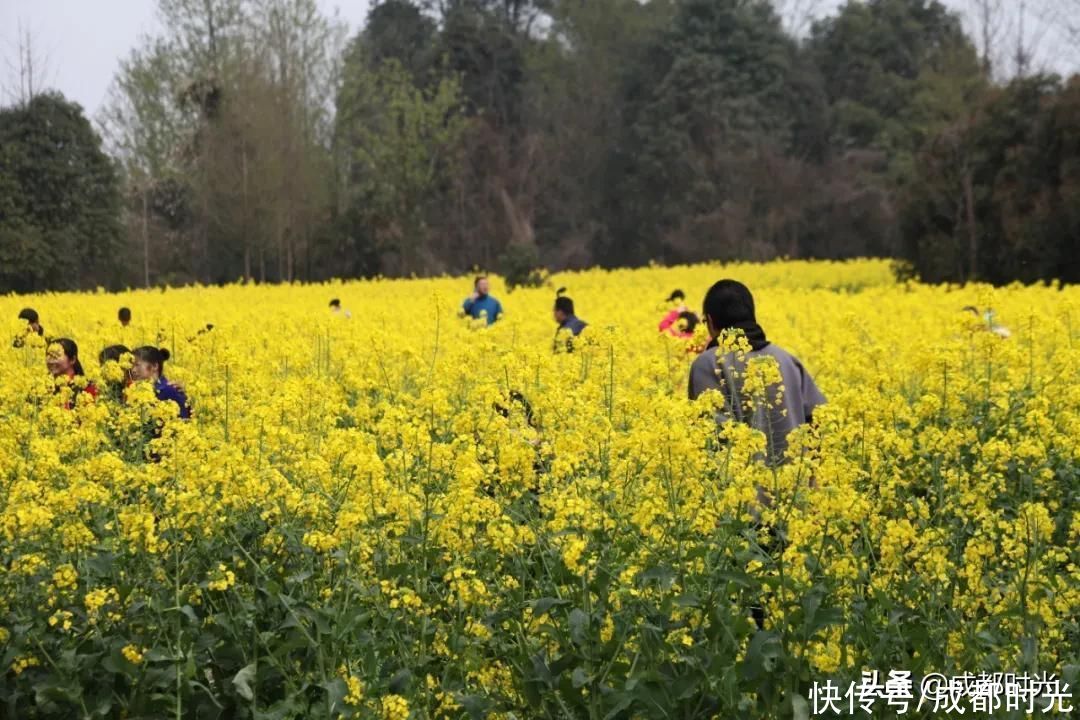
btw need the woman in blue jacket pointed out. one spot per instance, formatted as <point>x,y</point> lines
<point>150,365</point>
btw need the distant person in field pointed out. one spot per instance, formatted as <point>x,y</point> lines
<point>62,361</point>
<point>988,317</point>
<point>684,326</point>
<point>112,353</point>
<point>124,316</point>
<point>670,321</point>
<point>115,379</point>
<point>566,320</point>
<point>33,326</point>
<point>481,303</point>
<point>202,331</point>
<point>335,308</point>
<point>516,397</point>
<point>149,366</point>
<point>729,309</point>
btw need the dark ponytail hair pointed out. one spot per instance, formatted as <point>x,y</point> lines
<point>563,303</point>
<point>71,352</point>
<point>153,355</point>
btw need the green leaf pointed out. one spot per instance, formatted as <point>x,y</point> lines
<point>811,602</point>
<point>762,655</point>
<point>541,672</point>
<point>562,664</point>
<point>579,626</point>
<point>399,684</point>
<point>688,600</point>
<point>736,578</point>
<point>102,564</point>
<point>242,682</point>
<point>662,574</point>
<point>336,691</point>
<point>543,605</point>
<point>800,709</point>
<point>617,709</point>
<point>156,655</point>
<point>478,707</point>
<point>189,613</point>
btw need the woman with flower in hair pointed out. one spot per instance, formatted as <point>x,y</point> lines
<point>62,361</point>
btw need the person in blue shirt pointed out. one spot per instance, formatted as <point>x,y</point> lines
<point>481,304</point>
<point>567,320</point>
<point>149,365</point>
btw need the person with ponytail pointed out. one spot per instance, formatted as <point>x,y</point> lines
<point>149,366</point>
<point>566,320</point>
<point>62,361</point>
<point>729,312</point>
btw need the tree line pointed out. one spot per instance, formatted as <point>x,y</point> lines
<point>252,139</point>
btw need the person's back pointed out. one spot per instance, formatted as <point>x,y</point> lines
<point>777,413</point>
<point>566,321</point>
<point>167,391</point>
<point>33,327</point>
<point>783,406</point>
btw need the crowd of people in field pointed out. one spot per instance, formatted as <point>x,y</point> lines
<point>728,306</point>
<point>728,309</point>
<point>145,363</point>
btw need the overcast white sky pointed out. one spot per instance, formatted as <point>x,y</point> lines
<point>83,41</point>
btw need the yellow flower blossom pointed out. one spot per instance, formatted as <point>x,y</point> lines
<point>133,654</point>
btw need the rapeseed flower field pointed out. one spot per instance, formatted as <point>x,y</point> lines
<point>407,514</point>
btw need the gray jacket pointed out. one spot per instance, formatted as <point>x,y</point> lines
<point>774,419</point>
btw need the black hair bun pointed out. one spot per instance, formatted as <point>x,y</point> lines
<point>560,292</point>
<point>164,354</point>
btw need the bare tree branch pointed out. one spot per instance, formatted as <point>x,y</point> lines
<point>27,68</point>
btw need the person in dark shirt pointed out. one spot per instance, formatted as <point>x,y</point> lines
<point>567,321</point>
<point>33,326</point>
<point>149,366</point>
